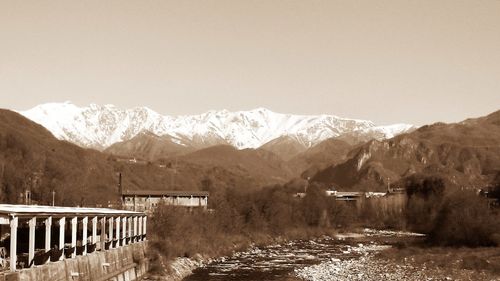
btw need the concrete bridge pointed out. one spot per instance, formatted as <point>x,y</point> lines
<point>56,243</point>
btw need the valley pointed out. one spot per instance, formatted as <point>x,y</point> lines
<point>253,190</point>
<point>465,154</point>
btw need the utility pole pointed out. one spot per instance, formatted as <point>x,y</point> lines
<point>27,197</point>
<point>120,189</point>
<point>175,172</point>
<point>53,197</point>
<point>27,190</point>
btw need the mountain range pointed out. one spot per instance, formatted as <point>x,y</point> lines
<point>466,154</point>
<point>101,126</point>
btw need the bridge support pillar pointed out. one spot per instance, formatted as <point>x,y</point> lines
<point>94,230</point>
<point>135,229</point>
<point>118,219</point>
<point>85,222</point>
<point>131,229</point>
<point>31,243</point>
<point>139,228</point>
<point>62,222</point>
<point>124,231</point>
<point>13,243</point>
<point>110,236</point>
<point>144,219</point>
<point>74,226</point>
<point>48,234</point>
<point>103,233</point>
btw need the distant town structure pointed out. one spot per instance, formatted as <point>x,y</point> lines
<point>347,195</point>
<point>147,200</point>
<point>394,197</point>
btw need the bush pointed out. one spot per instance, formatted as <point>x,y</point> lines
<point>314,206</point>
<point>495,192</point>
<point>465,220</point>
<point>425,195</point>
<point>425,187</point>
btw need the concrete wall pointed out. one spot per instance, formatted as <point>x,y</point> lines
<point>392,205</point>
<point>126,263</point>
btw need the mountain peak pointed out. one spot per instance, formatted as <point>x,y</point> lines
<point>99,126</point>
<point>261,110</point>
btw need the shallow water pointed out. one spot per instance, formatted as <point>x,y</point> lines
<point>278,262</point>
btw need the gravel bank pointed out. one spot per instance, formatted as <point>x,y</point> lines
<point>367,267</point>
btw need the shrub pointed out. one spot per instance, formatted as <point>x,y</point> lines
<point>464,220</point>
<point>425,195</point>
<point>425,187</point>
<point>495,192</point>
<point>341,214</point>
<point>314,204</point>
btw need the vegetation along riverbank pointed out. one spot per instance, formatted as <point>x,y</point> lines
<point>237,219</point>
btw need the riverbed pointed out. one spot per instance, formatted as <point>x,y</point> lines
<point>296,260</point>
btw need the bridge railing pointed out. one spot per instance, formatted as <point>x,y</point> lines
<point>108,229</point>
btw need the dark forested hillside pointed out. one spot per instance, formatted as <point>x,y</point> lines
<point>31,158</point>
<point>467,154</point>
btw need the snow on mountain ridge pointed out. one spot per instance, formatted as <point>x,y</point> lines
<point>99,126</point>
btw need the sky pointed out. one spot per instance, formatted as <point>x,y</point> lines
<point>398,61</point>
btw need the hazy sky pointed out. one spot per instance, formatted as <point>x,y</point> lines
<point>387,61</point>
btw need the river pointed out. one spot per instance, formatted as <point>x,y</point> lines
<point>282,262</point>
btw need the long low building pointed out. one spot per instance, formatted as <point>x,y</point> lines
<point>339,195</point>
<point>147,200</point>
<point>36,235</point>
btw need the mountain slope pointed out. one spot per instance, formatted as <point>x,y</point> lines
<point>328,152</point>
<point>285,147</point>
<point>467,154</point>
<point>149,146</point>
<point>377,133</point>
<point>264,166</point>
<point>99,127</point>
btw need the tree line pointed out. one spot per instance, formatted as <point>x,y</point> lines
<point>238,218</point>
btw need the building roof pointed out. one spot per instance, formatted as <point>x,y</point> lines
<point>164,193</point>
<point>349,194</point>
<point>11,210</point>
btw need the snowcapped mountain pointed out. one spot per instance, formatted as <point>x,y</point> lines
<point>99,126</point>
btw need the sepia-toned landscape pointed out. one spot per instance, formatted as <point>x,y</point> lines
<point>244,140</point>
